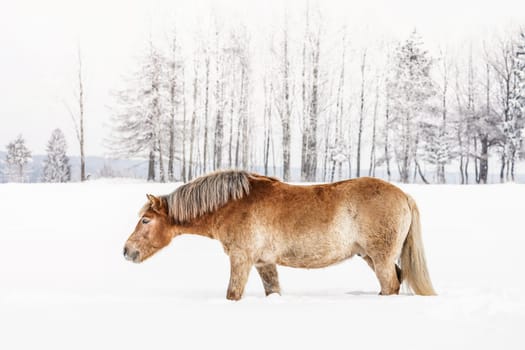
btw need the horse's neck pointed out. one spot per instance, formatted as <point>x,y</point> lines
<point>198,227</point>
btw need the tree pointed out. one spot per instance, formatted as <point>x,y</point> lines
<point>56,164</point>
<point>518,99</point>
<point>219,103</point>
<point>337,149</point>
<point>508,64</point>
<point>409,89</point>
<point>311,96</point>
<point>361,115</point>
<point>78,117</point>
<point>193,117</point>
<point>140,122</point>
<point>17,161</point>
<point>283,95</point>
<point>207,68</point>
<point>437,143</point>
<point>175,85</point>
<point>373,161</point>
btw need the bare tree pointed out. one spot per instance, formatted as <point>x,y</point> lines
<point>175,84</point>
<point>372,165</point>
<point>284,97</point>
<point>219,104</point>
<point>311,102</point>
<point>207,68</point>
<point>193,118</point>
<point>361,115</point>
<point>77,116</point>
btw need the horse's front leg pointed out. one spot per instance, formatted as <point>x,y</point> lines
<point>270,279</point>
<point>240,267</point>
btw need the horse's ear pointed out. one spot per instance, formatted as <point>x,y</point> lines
<point>154,202</point>
<point>151,198</point>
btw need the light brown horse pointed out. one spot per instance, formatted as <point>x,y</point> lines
<point>264,222</point>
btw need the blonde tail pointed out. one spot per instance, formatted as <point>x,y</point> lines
<point>413,263</point>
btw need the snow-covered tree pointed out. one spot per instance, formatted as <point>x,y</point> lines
<point>139,122</point>
<point>282,81</point>
<point>56,164</point>
<point>507,104</point>
<point>409,89</point>
<point>175,84</point>
<point>517,103</point>
<point>437,141</point>
<point>311,93</point>
<point>17,161</point>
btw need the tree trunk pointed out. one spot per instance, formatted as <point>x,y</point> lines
<point>387,153</point>
<point>502,168</point>
<point>219,102</point>
<point>161,162</point>
<point>193,121</point>
<point>232,113</point>
<point>151,166</point>
<point>184,128</point>
<point>314,115</point>
<point>405,161</point>
<point>306,106</point>
<point>483,160</point>
<point>372,166</point>
<point>285,119</point>
<point>244,116</point>
<point>173,102</point>
<point>81,119</point>
<point>361,116</point>
<point>206,111</point>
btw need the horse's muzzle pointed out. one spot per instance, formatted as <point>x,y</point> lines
<point>131,255</point>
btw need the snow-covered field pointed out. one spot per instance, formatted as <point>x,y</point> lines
<point>65,285</point>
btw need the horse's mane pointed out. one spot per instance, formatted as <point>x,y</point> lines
<point>207,193</point>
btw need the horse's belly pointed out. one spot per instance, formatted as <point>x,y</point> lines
<point>310,262</point>
<point>323,255</point>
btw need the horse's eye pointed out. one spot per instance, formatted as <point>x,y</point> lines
<point>145,221</point>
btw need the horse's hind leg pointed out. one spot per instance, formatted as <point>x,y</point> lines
<point>270,278</point>
<point>370,263</point>
<point>387,274</point>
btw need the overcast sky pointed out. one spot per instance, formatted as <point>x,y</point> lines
<point>39,40</point>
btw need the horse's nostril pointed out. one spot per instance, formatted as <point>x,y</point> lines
<point>134,256</point>
<point>125,251</point>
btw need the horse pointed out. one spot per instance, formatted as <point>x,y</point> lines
<point>264,222</point>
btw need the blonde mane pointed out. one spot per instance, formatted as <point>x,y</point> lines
<point>206,194</point>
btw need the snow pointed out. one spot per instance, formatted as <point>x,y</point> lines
<point>65,285</point>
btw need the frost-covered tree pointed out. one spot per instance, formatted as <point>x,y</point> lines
<point>507,104</point>
<point>437,141</point>
<point>517,101</point>
<point>175,85</point>
<point>283,91</point>
<point>56,164</point>
<point>281,85</point>
<point>139,121</point>
<point>409,89</point>
<point>311,86</point>
<point>17,161</point>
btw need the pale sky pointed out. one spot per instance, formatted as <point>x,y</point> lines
<point>39,40</point>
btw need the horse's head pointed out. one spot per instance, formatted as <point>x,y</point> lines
<point>152,232</point>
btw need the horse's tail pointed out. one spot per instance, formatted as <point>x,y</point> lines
<point>413,263</point>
